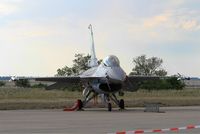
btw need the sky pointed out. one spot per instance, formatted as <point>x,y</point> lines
<point>39,36</point>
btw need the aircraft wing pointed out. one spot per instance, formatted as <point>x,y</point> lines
<point>138,78</point>
<point>60,82</point>
<point>63,82</point>
<point>133,81</point>
<point>70,79</point>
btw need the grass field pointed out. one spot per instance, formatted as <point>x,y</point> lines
<point>22,98</point>
<point>186,97</point>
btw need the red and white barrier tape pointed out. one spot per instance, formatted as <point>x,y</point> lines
<point>158,130</point>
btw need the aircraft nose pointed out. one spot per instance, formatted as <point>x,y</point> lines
<point>117,73</point>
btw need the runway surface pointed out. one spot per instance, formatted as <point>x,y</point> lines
<point>95,121</point>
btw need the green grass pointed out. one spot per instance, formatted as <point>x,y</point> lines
<point>29,98</point>
<point>165,93</point>
<point>186,97</point>
<point>34,93</point>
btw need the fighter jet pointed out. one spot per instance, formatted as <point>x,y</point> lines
<point>105,79</point>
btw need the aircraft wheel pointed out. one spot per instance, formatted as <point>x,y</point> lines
<point>80,104</point>
<point>121,104</point>
<point>109,107</point>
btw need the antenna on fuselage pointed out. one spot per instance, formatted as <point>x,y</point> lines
<point>93,60</point>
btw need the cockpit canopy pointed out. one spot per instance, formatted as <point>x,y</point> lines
<point>111,61</point>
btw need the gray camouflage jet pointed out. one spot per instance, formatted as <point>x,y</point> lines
<point>105,79</point>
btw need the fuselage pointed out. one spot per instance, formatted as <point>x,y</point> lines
<point>111,76</point>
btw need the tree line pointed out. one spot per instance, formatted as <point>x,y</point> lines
<point>142,66</point>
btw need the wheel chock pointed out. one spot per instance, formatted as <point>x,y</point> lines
<point>77,106</point>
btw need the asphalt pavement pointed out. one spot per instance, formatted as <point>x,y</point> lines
<point>96,121</point>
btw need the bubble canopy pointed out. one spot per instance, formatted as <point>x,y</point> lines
<point>111,61</point>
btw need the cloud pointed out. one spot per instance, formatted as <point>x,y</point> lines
<point>6,9</point>
<point>183,19</point>
<point>15,31</point>
<point>190,25</point>
<point>122,29</point>
<point>156,20</point>
<point>28,30</point>
<point>42,42</point>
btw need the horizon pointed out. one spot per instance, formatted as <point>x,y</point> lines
<point>38,37</point>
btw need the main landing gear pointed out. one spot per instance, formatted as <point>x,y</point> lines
<point>107,98</point>
<point>113,97</point>
<point>121,105</point>
<point>89,95</point>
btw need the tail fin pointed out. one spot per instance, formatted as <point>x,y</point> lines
<point>93,61</point>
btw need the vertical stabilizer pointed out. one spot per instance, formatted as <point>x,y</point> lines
<point>93,61</point>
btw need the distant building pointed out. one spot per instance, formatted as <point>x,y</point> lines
<point>192,83</point>
<point>5,78</point>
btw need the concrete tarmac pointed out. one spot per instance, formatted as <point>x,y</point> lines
<point>96,121</point>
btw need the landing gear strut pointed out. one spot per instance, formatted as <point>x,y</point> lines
<point>88,97</point>
<point>109,107</point>
<point>89,94</point>
<point>80,105</point>
<point>121,104</point>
